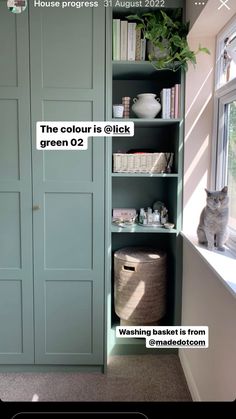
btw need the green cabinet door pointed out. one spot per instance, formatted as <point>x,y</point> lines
<point>16,278</point>
<point>67,49</point>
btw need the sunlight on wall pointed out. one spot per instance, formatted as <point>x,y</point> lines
<point>198,117</point>
<point>197,159</point>
<point>195,205</point>
<point>209,75</point>
<point>198,132</point>
<point>35,398</point>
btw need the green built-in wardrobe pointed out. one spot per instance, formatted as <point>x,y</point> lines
<point>52,64</point>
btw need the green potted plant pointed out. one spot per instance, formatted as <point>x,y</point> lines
<point>166,36</point>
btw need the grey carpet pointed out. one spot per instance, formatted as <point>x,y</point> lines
<point>129,378</point>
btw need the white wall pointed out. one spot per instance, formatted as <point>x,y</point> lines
<point>211,373</point>
<point>193,11</point>
<point>198,131</point>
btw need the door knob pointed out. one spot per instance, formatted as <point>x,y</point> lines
<point>36,207</point>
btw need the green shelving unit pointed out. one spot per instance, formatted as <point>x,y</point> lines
<point>148,175</point>
<point>136,69</point>
<point>141,229</point>
<point>136,190</point>
<point>150,122</point>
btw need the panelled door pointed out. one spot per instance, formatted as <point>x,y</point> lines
<point>66,83</point>
<point>16,279</point>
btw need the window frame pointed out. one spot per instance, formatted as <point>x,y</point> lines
<point>220,45</point>
<point>223,95</point>
<point>222,146</point>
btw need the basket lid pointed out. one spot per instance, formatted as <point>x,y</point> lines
<point>139,254</point>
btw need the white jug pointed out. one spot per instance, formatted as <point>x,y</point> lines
<point>146,106</point>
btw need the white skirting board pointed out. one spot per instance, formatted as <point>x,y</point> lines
<point>189,377</point>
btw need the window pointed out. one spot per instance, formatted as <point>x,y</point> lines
<point>226,56</point>
<point>225,121</point>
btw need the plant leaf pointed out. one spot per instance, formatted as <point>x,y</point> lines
<point>206,50</point>
<point>167,31</point>
<point>134,17</point>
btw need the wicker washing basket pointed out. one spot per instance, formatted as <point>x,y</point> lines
<point>140,285</point>
<point>142,162</point>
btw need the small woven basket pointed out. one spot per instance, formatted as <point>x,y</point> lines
<point>140,285</point>
<point>142,162</point>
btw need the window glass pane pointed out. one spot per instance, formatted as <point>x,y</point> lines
<point>228,59</point>
<point>231,163</point>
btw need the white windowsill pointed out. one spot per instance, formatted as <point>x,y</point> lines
<point>222,263</point>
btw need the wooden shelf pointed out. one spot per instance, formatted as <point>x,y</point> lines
<point>159,175</point>
<point>127,69</point>
<point>140,229</point>
<point>137,69</point>
<point>141,122</point>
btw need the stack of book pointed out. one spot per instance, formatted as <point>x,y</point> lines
<point>170,101</point>
<point>128,44</point>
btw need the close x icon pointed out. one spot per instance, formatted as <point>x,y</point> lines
<point>224,4</point>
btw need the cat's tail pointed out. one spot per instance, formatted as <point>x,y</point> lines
<point>201,235</point>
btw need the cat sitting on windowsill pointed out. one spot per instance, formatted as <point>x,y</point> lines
<point>212,229</point>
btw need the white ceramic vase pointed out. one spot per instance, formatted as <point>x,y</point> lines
<point>146,106</point>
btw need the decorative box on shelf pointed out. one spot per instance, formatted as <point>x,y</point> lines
<point>142,162</point>
<point>124,216</point>
<point>123,213</point>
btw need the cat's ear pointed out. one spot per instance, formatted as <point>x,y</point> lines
<point>225,189</point>
<point>208,192</point>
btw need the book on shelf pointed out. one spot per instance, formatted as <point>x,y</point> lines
<point>124,40</point>
<point>177,101</point>
<point>116,39</point>
<point>131,41</point>
<point>165,103</point>
<point>127,41</point>
<point>170,102</point>
<point>138,45</point>
<point>143,49</point>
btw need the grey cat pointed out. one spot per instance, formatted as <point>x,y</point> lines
<point>212,229</point>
